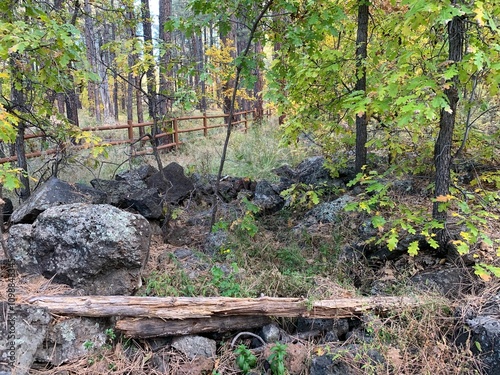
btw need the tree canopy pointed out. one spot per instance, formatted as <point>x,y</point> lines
<point>410,84</point>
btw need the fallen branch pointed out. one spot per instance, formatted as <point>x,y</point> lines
<point>179,308</point>
<point>155,327</point>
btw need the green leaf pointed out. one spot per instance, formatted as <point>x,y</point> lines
<point>378,221</point>
<point>413,248</point>
<point>392,241</point>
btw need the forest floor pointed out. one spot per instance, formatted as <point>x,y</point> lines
<point>277,256</point>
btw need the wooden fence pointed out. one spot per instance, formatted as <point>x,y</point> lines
<point>243,119</point>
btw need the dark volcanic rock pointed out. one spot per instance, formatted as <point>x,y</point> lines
<point>122,194</point>
<point>172,182</point>
<point>55,192</point>
<point>267,199</point>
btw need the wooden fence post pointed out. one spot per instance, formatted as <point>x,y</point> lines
<point>130,131</point>
<point>176,133</point>
<point>205,125</point>
<point>245,121</point>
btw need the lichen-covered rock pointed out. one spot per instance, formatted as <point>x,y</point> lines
<point>98,248</point>
<point>195,346</point>
<point>30,326</point>
<point>55,192</point>
<point>71,338</point>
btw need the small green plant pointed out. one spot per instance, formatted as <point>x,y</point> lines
<point>175,283</point>
<point>226,284</point>
<point>110,334</point>
<point>301,195</point>
<point>277,359</point>
<point>245,359</point>
<point>88,345</point>
<point>222,225</point>
<point>247,223</point>
<point>403,220</point>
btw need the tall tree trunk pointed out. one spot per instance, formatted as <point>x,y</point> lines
<point>60,103</point>
<point>19,103</point>
<point>102,63</point>
<point>361,54</point>
<point>442,148</point>
<point>259,86</point>
<point>71,101</point>
<point>115,74</point>
<point>139,108</point>
<point>227,86</point>
<point>92,88</point>
<point>150,73</point>
<point>165,13</point>
<point>166,91</point>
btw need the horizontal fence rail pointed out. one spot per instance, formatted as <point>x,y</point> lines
<point>171,130</point>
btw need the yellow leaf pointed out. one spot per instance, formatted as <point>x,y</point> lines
<point>485,276</point>
<point>444,198</point>
<point>479,14</point>
<point>466,236</point>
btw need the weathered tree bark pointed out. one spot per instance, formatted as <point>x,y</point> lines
<point>115,75</point>
<point>207,307</point>
<point>442,148</point>
<point>201,68</point>
<point>361,54</point>
<point>150,74</point>
<point>144,328</point>
<point>228,85</point>
<point>138,99</point>
<point>92,87</point>
<point>165,13</point>
<point>18,97</point>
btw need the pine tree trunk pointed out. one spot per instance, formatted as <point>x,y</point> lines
<point>93,90</point>
<point>165,13</point>
<point>150,74</point>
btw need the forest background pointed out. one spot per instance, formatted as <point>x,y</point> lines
<point>391,87</point>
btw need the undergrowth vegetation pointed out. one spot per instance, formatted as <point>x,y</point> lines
<point>275,255</point>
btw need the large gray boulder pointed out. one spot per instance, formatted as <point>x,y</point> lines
<point>98,248</point>
<point>55,192</point>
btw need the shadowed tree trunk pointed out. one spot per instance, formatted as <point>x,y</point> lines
<point>150,73</point>
<point>19,104</point>
<point>361,54</point>
<point>93,90</point>
<point>165,13</point>
<point>442,148</point>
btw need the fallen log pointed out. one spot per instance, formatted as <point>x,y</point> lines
<point>179,308</point>
<point>155,327</point>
